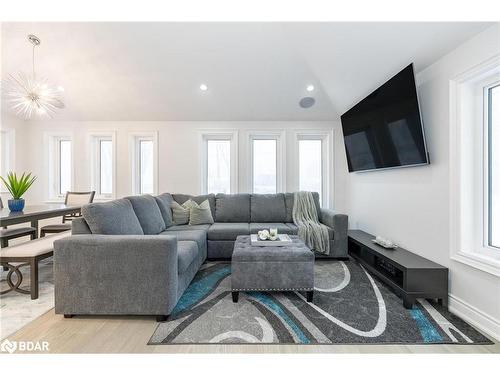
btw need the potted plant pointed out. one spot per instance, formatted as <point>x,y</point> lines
<point>17,187</point>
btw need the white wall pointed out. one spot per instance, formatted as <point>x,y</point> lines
<point>179,158</point>
<point>411,206</point>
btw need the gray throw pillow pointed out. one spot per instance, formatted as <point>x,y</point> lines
<point>164,201</point>
<point>115,217</point>
<point>200,213</point>
<point>148,213</point>
<point>180,213</point>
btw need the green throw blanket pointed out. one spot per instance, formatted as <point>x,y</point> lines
<point>305,217</point>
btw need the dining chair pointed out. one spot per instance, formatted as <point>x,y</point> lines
<point>73,198</point>
<point>7,234</point>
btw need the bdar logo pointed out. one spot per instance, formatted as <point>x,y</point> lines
<point>8,346</point>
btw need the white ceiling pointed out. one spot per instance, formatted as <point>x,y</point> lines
<point>254,71</point>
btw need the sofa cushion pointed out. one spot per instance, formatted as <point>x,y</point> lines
<point>189,227</point>
<point>186,253</point>
<point>289,207</point>
<point>164,202</point>
<point>267,208</point>
<point>114,217</point>
<point>148,213</point>
<point>200,213</point>
<point>227,231</point>
<point>198,236</point>
<point>181,198</point>
<point>232,208</point>
<point>282,228</point>
<point>180,213</point>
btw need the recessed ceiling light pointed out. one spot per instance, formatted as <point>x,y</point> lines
<point>203,87</point>
<point>310,88</point>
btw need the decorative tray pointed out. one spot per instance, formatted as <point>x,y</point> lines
<point>283,240</point>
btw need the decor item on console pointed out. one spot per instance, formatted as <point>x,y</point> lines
<point>305,216</point>
<point>17,187</point>
<point>31,94</point>
<point>388,244</point>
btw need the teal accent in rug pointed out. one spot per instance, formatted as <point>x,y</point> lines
<point>269,303</point>
<point>199,289</point>
<point>427,330</point>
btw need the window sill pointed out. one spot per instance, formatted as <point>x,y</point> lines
<point>478,261</point>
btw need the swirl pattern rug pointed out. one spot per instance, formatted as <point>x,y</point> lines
<point>350,307</point>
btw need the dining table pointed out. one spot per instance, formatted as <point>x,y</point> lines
<point>35,213</point>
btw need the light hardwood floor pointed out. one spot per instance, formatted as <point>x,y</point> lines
<point>131,334</point>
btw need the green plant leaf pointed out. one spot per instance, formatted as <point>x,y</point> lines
<point>18,186</point>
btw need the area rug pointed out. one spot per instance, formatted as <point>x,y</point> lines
<point>16,309</point>
<point>350,307</point>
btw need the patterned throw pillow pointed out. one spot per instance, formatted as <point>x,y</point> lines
<point>200,213</point>
<point>180,214</point>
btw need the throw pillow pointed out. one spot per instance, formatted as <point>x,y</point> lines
<point>180,214</point>
<point>200,213</point>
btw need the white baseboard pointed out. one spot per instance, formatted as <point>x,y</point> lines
<point>475,317</point>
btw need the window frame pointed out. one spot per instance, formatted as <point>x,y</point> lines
<point>280,137</point>
<point>9,154</point>
<point>95,167</point>
<point>217,135</point>
<point>135,139</point>
<point>327,162</point>
<point>468,169</point>
<point>53,157</point>
<point>487,167</point>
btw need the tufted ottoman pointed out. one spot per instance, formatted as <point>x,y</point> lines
<point>272,268</point>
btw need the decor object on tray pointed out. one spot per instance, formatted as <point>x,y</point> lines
<point>17,187</point>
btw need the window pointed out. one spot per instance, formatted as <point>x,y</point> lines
<point>60,157</point>
<point>218,166</point>
<point>310,166</point>
<point>64,183</point>
<point>475,167</point>
<point>493,162</point>
<point>219,162</point>
<point>145,163</point>
<point>146,166</point>
<point>267,160</point>
<point>312,160</point>
<point>103,164</point>
<point>264,166</point>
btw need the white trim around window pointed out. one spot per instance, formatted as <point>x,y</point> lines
<point>468,167</point>
<point>52,142</point>
<point>135,140</point>
<point>218,135</point>
<point>280,137</point>
<point>95,138</point>
<point>8,155</point>
<point>327,162</point>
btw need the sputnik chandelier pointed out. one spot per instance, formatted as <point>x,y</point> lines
<point>30,95</point>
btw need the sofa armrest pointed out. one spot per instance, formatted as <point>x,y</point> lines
<point>115,274</point>
<point>338,222</point>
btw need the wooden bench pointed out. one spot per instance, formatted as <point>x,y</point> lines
<point>27,254</point>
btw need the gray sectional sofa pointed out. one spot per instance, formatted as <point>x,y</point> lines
<point>128,257</point>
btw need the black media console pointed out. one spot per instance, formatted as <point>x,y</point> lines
<point>409,275</point>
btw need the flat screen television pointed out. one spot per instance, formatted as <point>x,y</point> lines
<point>385,130</point>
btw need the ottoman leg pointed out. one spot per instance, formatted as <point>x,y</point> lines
<point>309,295</point>
<point>235,296</point>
